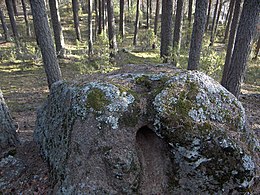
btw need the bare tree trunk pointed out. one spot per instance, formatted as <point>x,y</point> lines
<point>156,16</point>
<point>231,9</point>
<point>231,42</point>
<point>57,28</point>
<point>245,34</point>
<point>28,29</point>
<point>4,26</point>
<point>15,7</point>
<point>166,29</point>
<point>122,19</point>
<point>257,48</point>
<point>209,10</point>
<point>177,30</point>
<point>147,14</point>
<point>217,21</point>
<point>8,135</point>
<point>136,22</point>
<point>104,6</point>
<point>90,36</point>
<point>75,8</point>
<point>44,38</point>
<point>96,19</point>
<point>100,17</point>
<point>190,12</point>
<point>197,34</point>
<point>9,6</point>
<point>213,23</point>
<point>111,27</point>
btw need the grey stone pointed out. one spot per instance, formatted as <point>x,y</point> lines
<point>165,131</point>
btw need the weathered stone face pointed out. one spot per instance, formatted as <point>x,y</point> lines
<point>164,132</point>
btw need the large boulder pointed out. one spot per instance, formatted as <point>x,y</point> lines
<point>165,131</point>
<point>8,135</point>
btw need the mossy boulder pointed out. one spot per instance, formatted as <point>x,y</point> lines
<point>165,131</point>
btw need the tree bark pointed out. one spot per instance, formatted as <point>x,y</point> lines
<point>122,19</point>
<point>75,8</point>
<point>166,29</point>
<point>257,48</point>
<point>147,14</point>
<point>96,19</point>
<point>218,16</point>
<point>214,23</point>
<point>15,7</point>
<point>111,27</point>
<point>25,15</point>
<point>44,38</point>
<point>197,34</point>
<point>90,33</point>
<point>100,17</point>
<point>156,16</point>
<point>8,135</point>
<point>9,6</point>
<point>4,26</point>
<point>208,17</point>
<point>190,12</point>
<point>231,42</point>
<point>57,28</point>
<point>231,9</point>
<point>245,34</point>
<point>177,29</point>
<point>136,22</point>
<point>104,22</point>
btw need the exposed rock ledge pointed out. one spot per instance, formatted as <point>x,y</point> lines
<point>165,131</point>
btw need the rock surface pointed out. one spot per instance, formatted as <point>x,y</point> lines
<point>167,131</point>
<point>8,136</point>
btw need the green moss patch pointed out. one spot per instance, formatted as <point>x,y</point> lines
<point>97,100</point>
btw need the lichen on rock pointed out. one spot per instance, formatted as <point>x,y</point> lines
<point>117,134</point>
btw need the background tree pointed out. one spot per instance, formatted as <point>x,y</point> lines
<point>245,33</point>
<point>14,7</point>
<point>8,135</point>
<point>122,19</point>
<point>99,17</point>
<point>90,33</point>
<point>156,16</point>
<point>197,34</point>
<point>177,29</point>
<point>75,9</point>
<point>111,27</point>
<point>190,12</point>
<point>28,29</point>
<point>9,6</point>
<point>230,16</point>
<point>208,15</point>
<point>44,38</point>
<point>257,48</point>
<point>213,23</point>
<point>57,28</point>
<point>166,29</point>
<point>136,21</point>
<point>4,26</point>
<point>231,41</point>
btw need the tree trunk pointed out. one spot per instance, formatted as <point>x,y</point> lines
<point>257,48</point>
<point>190,12</point>
<point>8,135</point>
<point>217,21</point>
<point>90,37</point>
<point>96,19</point>
<point>245,34</point>
<point>75,8</point>
<point>166,29</point>
<point>9,6</point>
<point>209,10</point>
<point>4,26</point>
<point>197,34</point>
<point>122,19</point>
<point>147,14</point>
<point>57,28</point>
<point>28,29</point>
<point>15,7</point>
<point>43,34</point>
<point>231,9</point>
<point>177,30</point>
<point>111,27</point>
<point>214,23</point>
<point>136,22</point>
<point>156,16</point>
<point>100,16</point>
<point>104,20</point>
<point>231,42</point>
